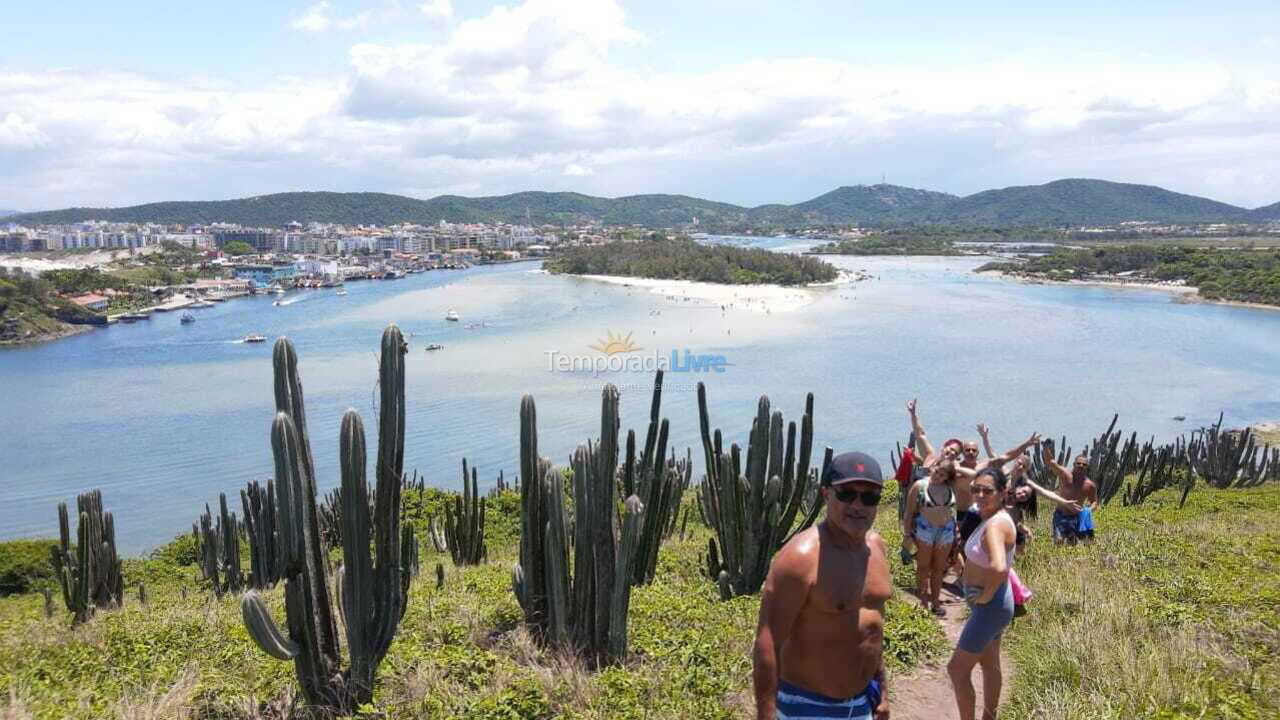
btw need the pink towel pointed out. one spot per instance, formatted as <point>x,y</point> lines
<point>1021,593</point>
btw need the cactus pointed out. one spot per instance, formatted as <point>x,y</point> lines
<point>439,576</point>
<point>92,579</point>
<point>218,549</point>
<point>1159,467</point>
<point>659,482</point>
<point>265,560</point>
<point>48,601</point>
<point>754,515</point>
<point>1225,458</point>
<point>142,594</point>
<point>463,532</point>
<point>583,605</point>
<point>373,594</point>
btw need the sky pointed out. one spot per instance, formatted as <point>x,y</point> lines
<point>109,104</point>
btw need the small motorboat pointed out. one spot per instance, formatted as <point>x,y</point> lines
<point>187,318</point>
<point>434,346</point>
<point>341,292</point>
<point>277,290</point>
<point>254,338</point>
<point>452,315</point>
<point>277,303</point>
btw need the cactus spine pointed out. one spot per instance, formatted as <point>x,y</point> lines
<point>583,605</point>
<point>753,515</point>
<point>373,594</point>
<point>92,579</point>
<point>463,533</point>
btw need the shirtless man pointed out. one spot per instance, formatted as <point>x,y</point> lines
<point>1075,486</point>
<point>821,631</point>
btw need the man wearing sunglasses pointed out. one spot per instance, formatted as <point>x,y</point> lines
<point>819,640</point>
<point>1073,523</point>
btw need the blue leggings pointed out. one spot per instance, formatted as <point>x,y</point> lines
<point>986,621</point>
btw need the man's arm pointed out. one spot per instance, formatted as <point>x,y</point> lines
<point>881,711</point>
<point>985,433</point>
<point>1064,475</point>
<point>1091,494</point>
<point>1011,453</point>
<point>922,440</point>
<point>786,589</point>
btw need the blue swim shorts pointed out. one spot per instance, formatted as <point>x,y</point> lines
<point>795,703</point>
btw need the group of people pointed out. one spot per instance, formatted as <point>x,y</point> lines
<point>819,639</point>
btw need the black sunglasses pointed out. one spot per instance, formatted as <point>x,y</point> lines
<point>870,498</point>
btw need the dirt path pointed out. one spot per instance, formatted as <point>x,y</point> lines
<point>926,693</point>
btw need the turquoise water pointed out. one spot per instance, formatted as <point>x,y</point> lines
<point>164,416</point>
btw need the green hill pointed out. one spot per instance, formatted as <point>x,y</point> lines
<point>1265,214</point>
<point>1087,202</point>
<point>1072,202</point>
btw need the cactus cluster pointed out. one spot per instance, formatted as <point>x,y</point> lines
<point>1225,458</point>
<point>266,562</point>
<point>659,481</point>
<point>754,514</point>
<point>583,604</point>
<point>461,533</point>
<point>372,589</point>
<point>502,485</point>
<point>92,578</point>
<point>218,549</point>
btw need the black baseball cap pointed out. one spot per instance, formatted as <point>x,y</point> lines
<point>851,466</point>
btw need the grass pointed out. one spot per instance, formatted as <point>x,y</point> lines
<point>1173,614</point>
<point>460,652</point>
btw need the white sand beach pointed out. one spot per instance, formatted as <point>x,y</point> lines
<point>763,299</point>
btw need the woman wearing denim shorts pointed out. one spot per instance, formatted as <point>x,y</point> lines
<point>930,519</point>
<point>986,588</point>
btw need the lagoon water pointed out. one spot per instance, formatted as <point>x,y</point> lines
<point>164,416</point>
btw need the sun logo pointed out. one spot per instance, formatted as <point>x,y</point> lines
<point>614,344</point>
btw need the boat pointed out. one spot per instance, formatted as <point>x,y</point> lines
<point>254,338</point>
<point>434,346</point>
<point>452,315</point>
<point>341,291</point>
<point>277,303</point>
<point>187,318</point>
<point>201,304</point>
<point>277,289</point>
<point>130,317</point>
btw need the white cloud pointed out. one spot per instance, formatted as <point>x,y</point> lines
<point>535,95</point>
<point>437,9</point>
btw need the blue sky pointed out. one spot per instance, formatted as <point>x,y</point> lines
<point>746,102</point>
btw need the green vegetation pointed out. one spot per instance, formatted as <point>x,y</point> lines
<point>1174,613</point>
<point>683,259</point>
<point>461,650</point>
<point>30,309</point>
<point>1057,204</point>
<point>238,247</point>
<point>1244,275</point>
<point>24,566</point>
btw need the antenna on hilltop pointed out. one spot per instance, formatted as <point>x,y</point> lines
<point>881,177</point>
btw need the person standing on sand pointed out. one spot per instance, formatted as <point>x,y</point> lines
<point>819,641</point>
<point>1073,522</point>
<point>986,589</point>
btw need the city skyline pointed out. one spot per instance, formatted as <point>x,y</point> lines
<point>738,103</point>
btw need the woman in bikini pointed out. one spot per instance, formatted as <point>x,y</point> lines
<point>986,589</point>
<point>930,519</point>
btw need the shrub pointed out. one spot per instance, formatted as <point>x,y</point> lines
<point>25,565</point>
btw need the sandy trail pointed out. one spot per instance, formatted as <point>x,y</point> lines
<point>926,693</point>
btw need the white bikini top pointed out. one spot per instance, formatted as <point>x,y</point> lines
<point>974,551</point>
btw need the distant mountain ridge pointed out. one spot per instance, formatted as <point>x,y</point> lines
<point>7,213</point>
<point>1069,202</point>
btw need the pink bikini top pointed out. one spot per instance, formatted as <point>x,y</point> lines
<point>974,551</point>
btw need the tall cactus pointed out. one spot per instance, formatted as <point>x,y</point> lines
<point>265,560</point>
<point>93,578</point>
<point>218,549</point>
<point>755,514</point>
<point>583,605</point>
<point>463,532</point>
<point>373,593</point>
<point>659,482</point>
<point>1225,458</point>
